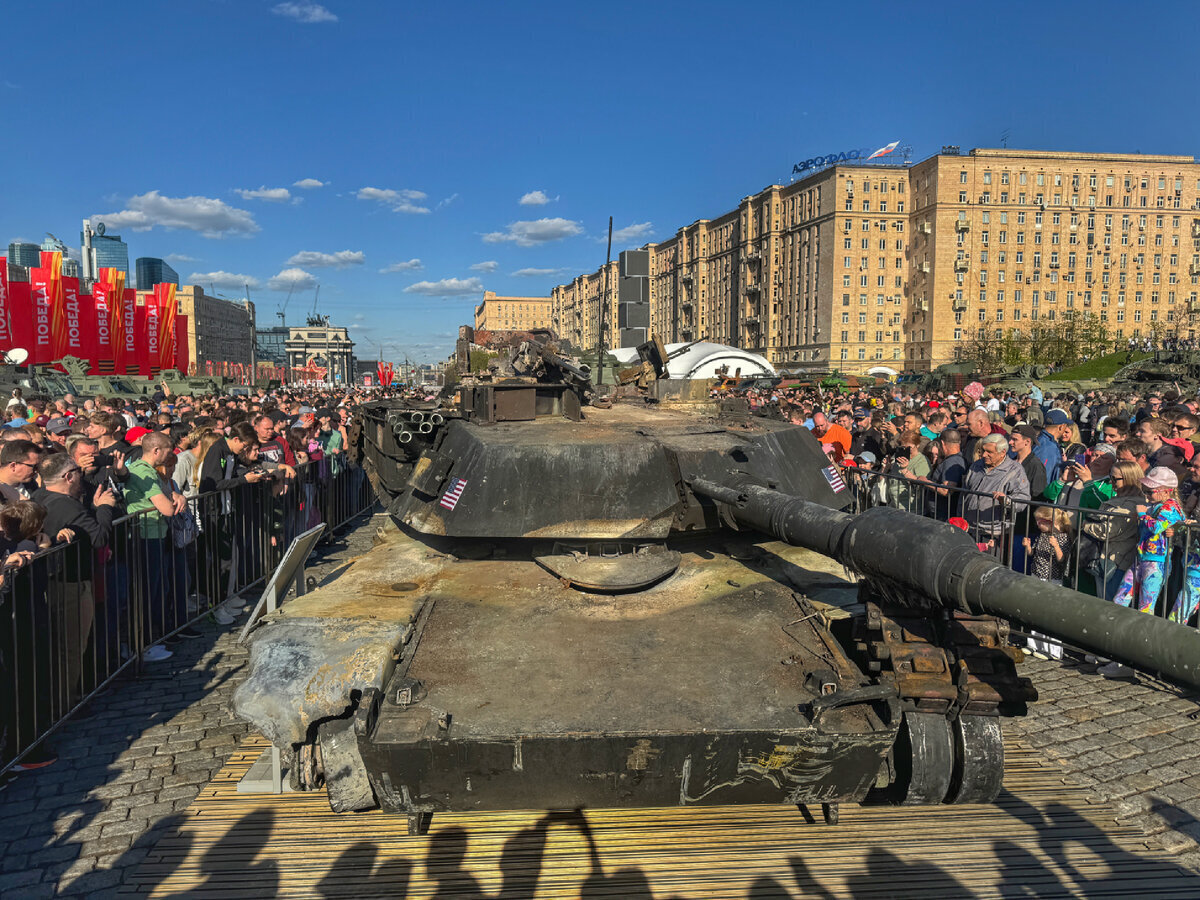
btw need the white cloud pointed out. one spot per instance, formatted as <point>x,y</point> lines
<point>488,266</point>
<point>532,233</point>
<point>631,234</point>
<point>537,273</point>
<point>223,279</point>
<point>272,195</point>
<point>308,184</point>
<point>447,287</point>
<point>179,257</point>
<point>405,201</point>
<point>212,218</point>
<point>303,11</point>
<point>341,260</point>
<point>536,198</point>
<point>292,280</point>
<point>447,201</point>
<point>413,265</point>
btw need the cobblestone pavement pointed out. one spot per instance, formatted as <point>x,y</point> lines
<point>133,761</point>
<point>140,754</point>
<point>1135,742</point>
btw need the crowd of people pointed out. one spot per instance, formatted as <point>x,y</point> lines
<point>1095,490</point>
<point>123,520</point>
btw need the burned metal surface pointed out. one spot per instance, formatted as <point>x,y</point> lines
<point>650,603</point>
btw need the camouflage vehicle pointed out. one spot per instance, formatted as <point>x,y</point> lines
<point>123,387</point>
<point>1164,370</point>
<point>193,385</point>
<point>618,603</point>
<point>35,382</point>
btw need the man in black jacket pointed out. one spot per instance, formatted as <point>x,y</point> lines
<point>74,605</point>
<point>216,469</point>
<point>219,473</point>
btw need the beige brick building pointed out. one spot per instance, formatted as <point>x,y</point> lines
<point>861,265</point>
<point>512,313</point>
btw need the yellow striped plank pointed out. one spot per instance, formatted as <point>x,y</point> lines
<point>1044,837</point>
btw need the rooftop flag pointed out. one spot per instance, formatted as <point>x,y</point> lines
<point>884,151</point>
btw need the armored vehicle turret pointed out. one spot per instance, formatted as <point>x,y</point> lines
<point>123,387</point>
<point>1163,370</point>
<point>598,602</point>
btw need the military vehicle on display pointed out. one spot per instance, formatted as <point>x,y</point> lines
<point>122,387</point>
<point>34,382</point>
<point>611,601</point>
<point>1164,370</point>
<point>192,385</point>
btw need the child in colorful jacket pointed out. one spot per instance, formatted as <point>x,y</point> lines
<point>1144,580</point>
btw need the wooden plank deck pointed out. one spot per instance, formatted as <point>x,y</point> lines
<point>1044,837</point>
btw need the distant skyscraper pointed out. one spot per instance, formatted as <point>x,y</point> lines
<point>152,271</point>
<point>70,267</point>
<point>21,253</point>
<point>109,252</point>
<point>51,243</point>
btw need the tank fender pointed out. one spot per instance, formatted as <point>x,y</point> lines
<point>306,670</point>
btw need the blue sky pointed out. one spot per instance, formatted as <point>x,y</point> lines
<point>408,156</point>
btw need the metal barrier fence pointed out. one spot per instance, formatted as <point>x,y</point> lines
<point>78,614</point>
<point>1099,546</point>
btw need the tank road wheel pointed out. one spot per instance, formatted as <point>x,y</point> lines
<point>924,759</point>
<point>978,760</point>
<point>831,813</point>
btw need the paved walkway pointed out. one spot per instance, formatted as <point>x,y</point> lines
<point>136,759</point>
<point>1132,741</point>
<point>144,750</point>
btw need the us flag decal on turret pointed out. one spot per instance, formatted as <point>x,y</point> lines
<point>831,475</point>
<point>450,498</point>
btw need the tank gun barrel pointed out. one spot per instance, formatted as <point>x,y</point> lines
<point>582,372</point>
<point>924,558</point>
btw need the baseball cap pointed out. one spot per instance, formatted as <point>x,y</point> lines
<point>136,432</point>
<point>58,425</point>
<point>1058,417</point>
<point>868,457</point>
<point>1187,448</point>
<point>1028,431</point>
<point>1160,477</point>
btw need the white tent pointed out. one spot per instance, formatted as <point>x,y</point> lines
<point>882,370</point>
<point>702,359</point>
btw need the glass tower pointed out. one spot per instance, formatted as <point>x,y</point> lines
<point>21,253</point>
<point>110,252</point>
<point>152,271</point>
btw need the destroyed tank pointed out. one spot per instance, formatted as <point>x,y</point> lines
<point>1164,370</point>
<point>598,602</point>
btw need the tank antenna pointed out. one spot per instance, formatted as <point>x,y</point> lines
<point>603,308</point>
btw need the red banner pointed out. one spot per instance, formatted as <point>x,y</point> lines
<point>101,344</point>
<point>182,353</point>
<point>164,295</point>
<point>74,340</point>
<point>87,328</point>
<point>52,265</point>
<point>20,311</point>
<point>6,335</point>
<point>142,345</point>
<point>129,330</point>
<point>40,288</point>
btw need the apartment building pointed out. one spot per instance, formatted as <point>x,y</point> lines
<point>860,265</point>
<point>512,313</point>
